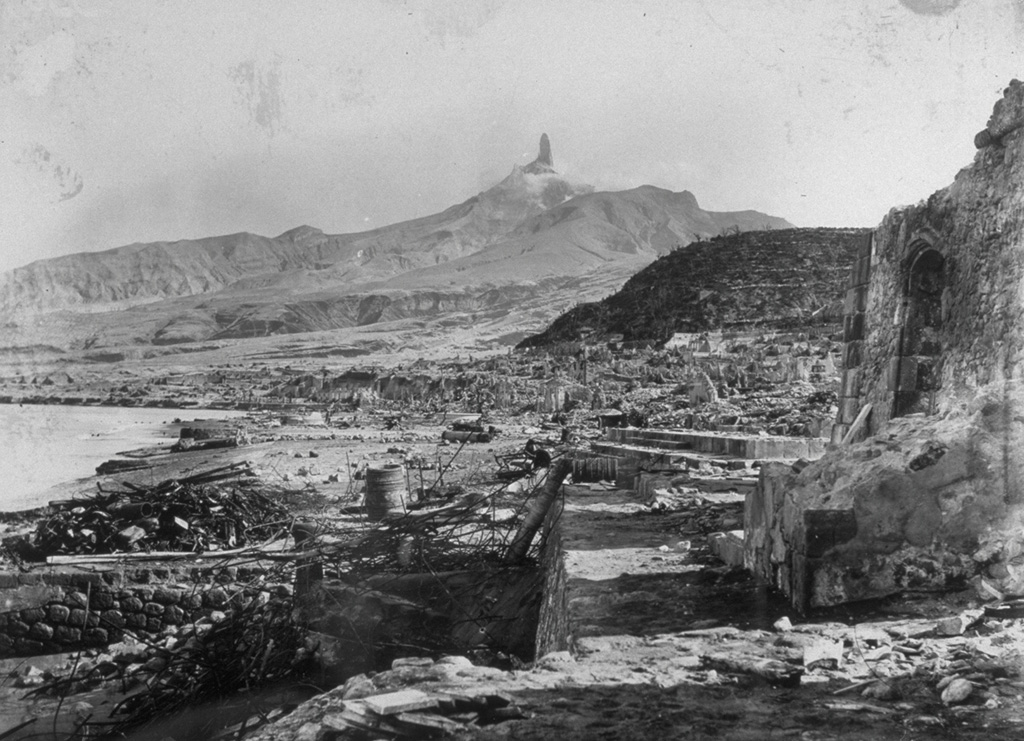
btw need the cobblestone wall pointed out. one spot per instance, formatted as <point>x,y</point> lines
<point>55,612</point>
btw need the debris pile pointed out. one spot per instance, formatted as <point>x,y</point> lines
<point>415,714</point>
<point>209,511</point>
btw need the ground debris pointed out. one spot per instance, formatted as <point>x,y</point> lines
<point>415,714</point>
<point>212,510</point>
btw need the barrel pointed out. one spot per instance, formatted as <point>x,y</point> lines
<point>594,469</point>
<point>385,491</point>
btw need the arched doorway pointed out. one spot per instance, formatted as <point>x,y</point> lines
<point>919,369</point>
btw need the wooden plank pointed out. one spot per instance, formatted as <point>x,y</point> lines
<point>858,423</point>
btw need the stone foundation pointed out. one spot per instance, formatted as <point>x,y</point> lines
<point>934,504</point>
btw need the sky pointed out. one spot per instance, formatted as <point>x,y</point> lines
<point>158,120</point>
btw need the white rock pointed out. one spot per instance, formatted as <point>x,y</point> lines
<point>957,691</point>
<point>783,624</point>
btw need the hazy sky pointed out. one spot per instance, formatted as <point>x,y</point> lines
<point>143,120</point>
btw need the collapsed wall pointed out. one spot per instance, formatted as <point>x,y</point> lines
<point>933,498</point>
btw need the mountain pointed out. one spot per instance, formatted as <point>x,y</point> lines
<point>532,235</point>
<point>764,279</point>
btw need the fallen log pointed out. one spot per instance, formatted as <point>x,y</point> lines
<point>539,507</point>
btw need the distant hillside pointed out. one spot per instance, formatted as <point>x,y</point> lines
<point>535,237</point>
<point>779,278</point>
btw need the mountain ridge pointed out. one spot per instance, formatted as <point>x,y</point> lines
<point>533,228</point>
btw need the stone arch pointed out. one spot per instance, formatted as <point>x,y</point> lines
<point>919,365</point>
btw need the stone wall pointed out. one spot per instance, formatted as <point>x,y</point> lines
<point>45,613</point>
<point>974,228</point>
<point>854,324</point>
<point>932,497</point>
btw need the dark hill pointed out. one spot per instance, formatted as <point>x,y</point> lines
<point>771,279</point>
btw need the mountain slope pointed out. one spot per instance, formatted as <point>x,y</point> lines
<point>769,279</point>
<point>531,235</point>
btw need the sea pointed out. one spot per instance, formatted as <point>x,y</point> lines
<point>42,445</point>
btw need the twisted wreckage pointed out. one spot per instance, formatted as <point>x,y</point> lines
<point>932,495</point>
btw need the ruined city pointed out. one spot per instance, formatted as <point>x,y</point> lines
<point>555,462</point>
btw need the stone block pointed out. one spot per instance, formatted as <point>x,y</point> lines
<point>33,615</point>
<point>153,609</point>
<point>136,621</point>
<point>826,528</point>
<point>131,604</point>
<point>17,627</point>
<point>95,637</point>
<point>851,382</point>
<point>853,354</point>
<point>154,625</point>
<point>727,547</point>
<point>860,299</point>
<point>6,645</point>
<point>112,619</point>
<point>215,598</point>
<point>853,327</point>
<point>58,614</point>
<point>838,433</point>
<point>28,647</point>
<point>173,615</point>
<point>166,596</point>
<point>849,408</point>
<point>66,634</point>
<point>40,632</point>
<point>86,581</point>
<point>907,380</point>
<point>77,599</point>
<point>102,599</point>
<point>8,580</point>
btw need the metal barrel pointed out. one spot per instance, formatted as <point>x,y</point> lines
<point>594,469</point>
<point>386,492</point>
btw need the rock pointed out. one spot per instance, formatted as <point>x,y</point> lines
<point>457,661</point>
<point>412,661</point>
<point>399,702</point>
<point>783,624</point>
<point>358,687</point>
<point>957,691</point>
<point>555,660</point>
<point>881,691</point>
<point>956,625</point>
<point>823,653</point>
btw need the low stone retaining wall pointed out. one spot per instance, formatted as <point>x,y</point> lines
<point>45,613</point>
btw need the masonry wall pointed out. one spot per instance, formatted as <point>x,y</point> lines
<point>976,225</point>
<point>45,613</point>
<point>932,495</point>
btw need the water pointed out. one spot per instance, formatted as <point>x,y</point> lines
<point>45,445</point>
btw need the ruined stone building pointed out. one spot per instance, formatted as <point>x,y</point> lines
<point>929,492</point>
